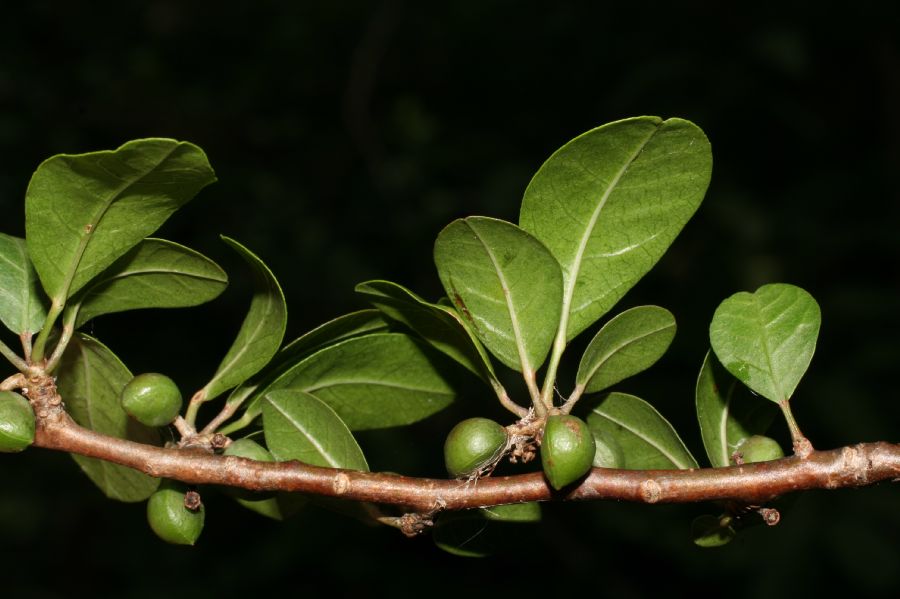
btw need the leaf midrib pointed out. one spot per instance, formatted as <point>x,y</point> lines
<point>616,349</point>
<point>569,289</point>
<point>312,440</point>
<point>510,308</point>
<point>63,293</point>
<point>643,437</point>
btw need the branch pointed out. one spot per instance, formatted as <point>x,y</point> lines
<point>853,466</point>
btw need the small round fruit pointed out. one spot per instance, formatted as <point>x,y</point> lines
<point>759,449</point>
<point>16,422</point>
<point>473,444</point>
<point>152,399</point>
<point>170,519</point>
<point>567,449</point>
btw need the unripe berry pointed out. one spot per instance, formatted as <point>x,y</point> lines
<point>567,449</point>
<point>152,399</point>
<point>472,445</point>
<point>16,422</point>
<point>170,519</point>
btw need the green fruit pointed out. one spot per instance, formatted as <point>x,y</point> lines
<point>152,399</point>
<point>567,450</point>
<point>759,449</point>
<point>170,520</point>
<point>16,422</point>
<point>473,444</point>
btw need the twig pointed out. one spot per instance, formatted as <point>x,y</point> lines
<point>854,466</point>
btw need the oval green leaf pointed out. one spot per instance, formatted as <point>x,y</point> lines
<point>154,274</point>
<point>610,202</point>
<point>767,339</point>
<point>22,303</point>
<point>441,326</point>
<point>260,334</point>
<point>628,344</point>
<point>300,427</point>
<point>505,284</point>
<point>84,211</point>
<point>354,324</point>
<point>90,381</point>
<point>647,440</point>
<point>374,381</point>
<point>727,412</point>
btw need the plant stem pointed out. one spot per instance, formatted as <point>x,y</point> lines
<point>194,406</point>
<point>507,401</point>
<point>68,329</point>
<point>802,446</point>
<point>37,353</point>
<point>573,399</point>
<point>13,357</point>
<point>559,346</point>
<point>242,422</point>
<point>860,465</point>
<point>26,345</point>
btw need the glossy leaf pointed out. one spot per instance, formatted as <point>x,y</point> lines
<point>506,286</point>
<point>767,339</point>
<point>441,326</point>
<point>300,427</point>
<point>350,325</point>
<point>22,303</point>
<point>727,412</point>
<point>260,334</point>
<point>647,439</point>
<point>626,345</point>
<point>610,202</point>
<point>374,381</point>
<point>84,211</point>
<point>155,274</point>
<point>90,379</point>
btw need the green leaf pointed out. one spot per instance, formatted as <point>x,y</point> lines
<point>300,427</point>
<point>281,507</point>
<point>90,380</point>
<point>22,304</point>
<point>727,412</point>
<point>374,381</point>
<point>610,202</point>
<point>260,334</point>
<point>343,327</point>
<point>712,531</point>
<point>505,284</point>
<point>647,439</point>
<point>514,512</point>
<point>441,326</point>
<point>767,339</point>
<point>628,344</point>
<point>154,274</point>
<point>83,211</point>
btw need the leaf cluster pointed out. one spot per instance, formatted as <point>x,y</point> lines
<point>595,218</point>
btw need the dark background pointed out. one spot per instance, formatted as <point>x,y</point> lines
<point>346,135</point>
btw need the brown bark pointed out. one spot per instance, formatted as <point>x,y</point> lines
<point>852,466</point>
